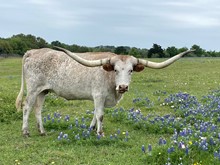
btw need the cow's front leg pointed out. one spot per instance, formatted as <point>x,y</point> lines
<point>93,123</point>
<point>98,113</point>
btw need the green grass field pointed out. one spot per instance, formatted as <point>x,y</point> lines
<point>195,76</point>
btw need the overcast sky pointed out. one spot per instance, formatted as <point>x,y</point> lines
<point>135,23</point>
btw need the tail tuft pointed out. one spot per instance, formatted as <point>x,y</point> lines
<point>19,100</point>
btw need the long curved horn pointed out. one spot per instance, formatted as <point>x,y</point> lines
<point>89,63</point>
<point>163,64</point>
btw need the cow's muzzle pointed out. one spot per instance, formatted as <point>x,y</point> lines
<point>122,88</point>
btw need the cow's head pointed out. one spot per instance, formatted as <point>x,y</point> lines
<point>123,66</point>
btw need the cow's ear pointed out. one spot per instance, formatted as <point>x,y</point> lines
<point>108,67</point>
<point>138,68</point>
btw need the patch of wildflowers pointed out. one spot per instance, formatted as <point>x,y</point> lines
<point>143,149</point>
<point>194,125</point>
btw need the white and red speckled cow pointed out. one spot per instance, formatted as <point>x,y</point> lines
<point>102,77</point>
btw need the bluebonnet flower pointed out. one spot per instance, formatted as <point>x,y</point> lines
<point>172,149</point>
<point>70,126</point>
<point>45,119</point>
<point>58,115</point>
<point>169,150</point>
<point>59,137</point>
<point>98,137</point>
<point>164,141</point>
<point>118,131</point>
<point>83,126</point>
<point>216,154</point>
<point>211,141</point>
<point>76,122</point>
<point>143,148</point>
<point>77,137</point>
<point>149,148</point>
<point>65,136</point>
<point>88,133</point>
<point>48,117</point>
<point>55,115</point>
<point>126,133</point>
<point>61,134</point>
<point>187,150</point>
<point>160,141</point>
<point>67,118</point>
<point>83,119</point>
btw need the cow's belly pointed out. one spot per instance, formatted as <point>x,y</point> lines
<point>73,95</point>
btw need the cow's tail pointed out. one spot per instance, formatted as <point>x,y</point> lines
<point>19,99</point>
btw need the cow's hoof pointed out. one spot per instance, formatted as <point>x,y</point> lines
<point>26,134</point>
<point>101,133</point>
<point>43,134</point>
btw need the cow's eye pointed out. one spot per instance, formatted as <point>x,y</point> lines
<point>130,71</point>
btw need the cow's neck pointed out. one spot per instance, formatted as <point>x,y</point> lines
<point>118,96</point>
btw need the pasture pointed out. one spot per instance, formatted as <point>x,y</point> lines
<point>169,116</point>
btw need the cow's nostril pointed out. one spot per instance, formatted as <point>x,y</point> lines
<point>123,88</point>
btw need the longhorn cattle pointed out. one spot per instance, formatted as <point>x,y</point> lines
<point>100,77</point>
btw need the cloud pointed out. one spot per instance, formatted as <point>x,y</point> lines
<point>195,21</point>
<point>190,14</point>
<point>113,22</point>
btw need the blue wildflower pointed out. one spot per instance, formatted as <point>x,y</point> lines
<point>59,137</point>
<point>118,131</point>
<point>65,136</point>
<point>143,148</point>
<point>98,137</point>
<point>45,119</point>
<point>149,147</point>
<point>48,117</point>
<point>160,141</point>
<point>187,150</point>
<point>126,133</point>
<point>76,122</point>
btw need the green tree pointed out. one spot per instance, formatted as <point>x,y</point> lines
<point>171,51</point>
<point>198,50</point>
<point>56,43</point>
<point>121,50</point>
<point>41,43</point>
<point>5,47</point>
<point>102,48</point>
<point>143,53</point>
<point>135,52</point>
<point>156,51</point>
<point>18,45</point>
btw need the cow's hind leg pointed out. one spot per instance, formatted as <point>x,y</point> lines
<point>29,102</point>
<point>38,107</point>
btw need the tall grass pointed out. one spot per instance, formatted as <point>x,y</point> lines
<point>194,76</point>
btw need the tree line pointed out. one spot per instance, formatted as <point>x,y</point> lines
<point>18,44</point>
